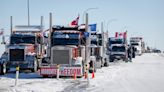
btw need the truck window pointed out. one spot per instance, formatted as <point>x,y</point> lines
<point>22,39</point>
<point>118,49</point>
<point>134,44</point>
<point>59,38</point>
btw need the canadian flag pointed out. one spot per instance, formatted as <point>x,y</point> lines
<point>75,22</point>
<point>121,34</point>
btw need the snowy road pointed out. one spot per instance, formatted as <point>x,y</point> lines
<point>144,74</point>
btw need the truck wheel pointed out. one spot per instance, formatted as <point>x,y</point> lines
<point>3,69</point>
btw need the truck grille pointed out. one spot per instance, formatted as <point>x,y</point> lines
<point>16,55</point>
<point>60,57</point>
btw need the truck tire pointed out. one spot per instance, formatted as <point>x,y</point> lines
<point>3,69</point>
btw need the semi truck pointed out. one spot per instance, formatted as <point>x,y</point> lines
<point>24,48</point>
<point>138,43</point>
<point>67,50</point>
<point>118,47</point>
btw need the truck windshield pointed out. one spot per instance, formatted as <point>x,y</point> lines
<point>116,41</point>
<point>22,39</point>
<point>118,49</point>
<point>134,44</point>
<point>59,38</point>
<point>94,42</point>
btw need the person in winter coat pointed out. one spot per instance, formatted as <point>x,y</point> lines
<point>133,52</point>
<point>129,53</point>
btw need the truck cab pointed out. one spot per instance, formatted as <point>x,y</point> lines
<point>24,49</point>
<point>118,49</point>
<point>138,44</point>
<point>118,52</point>
<point>66,49</point>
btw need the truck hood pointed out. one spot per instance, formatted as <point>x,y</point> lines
<point>29,48</point>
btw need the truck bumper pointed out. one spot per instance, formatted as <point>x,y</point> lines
<point>117,57</point>
<point>63,71</point>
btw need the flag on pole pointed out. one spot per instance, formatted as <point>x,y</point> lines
<point>75,22</point>
<point>93,27</point>
<point>121,34</point>
<point>116,34</point>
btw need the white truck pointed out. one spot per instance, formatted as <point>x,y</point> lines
<point>138,43</point>
<point>118,47</point>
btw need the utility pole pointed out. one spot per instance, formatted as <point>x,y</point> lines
<point>11,24</point>
<point>28,9</point>
<point>49,35</point>
<point>102,31</point>
<point>87,50</point>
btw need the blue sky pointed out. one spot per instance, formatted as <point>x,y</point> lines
<point>139,17</point>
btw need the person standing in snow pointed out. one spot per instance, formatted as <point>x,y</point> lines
<point>129,53</point>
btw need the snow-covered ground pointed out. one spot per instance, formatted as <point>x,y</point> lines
<point>144,74</point>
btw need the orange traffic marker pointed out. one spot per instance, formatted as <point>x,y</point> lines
<point>85,75</point>
<point>93,74</point>
<point>74,76</point>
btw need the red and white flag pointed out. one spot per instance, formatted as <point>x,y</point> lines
<point>121,34</point>
<point>75,22</point>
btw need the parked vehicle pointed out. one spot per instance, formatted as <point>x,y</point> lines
<point>25,49</point>
<point>138,43</point>
<point>118,47</point>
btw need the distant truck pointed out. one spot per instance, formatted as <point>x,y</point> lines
<point>139,44</point>
<point>24,49</point>
<point>119,51</point>
<point>118,47</point>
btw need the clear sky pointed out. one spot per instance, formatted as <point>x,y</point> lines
<point>139,17</point>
